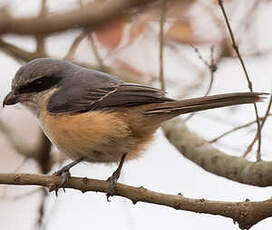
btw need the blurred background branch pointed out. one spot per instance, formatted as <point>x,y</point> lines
<point>91,16</point>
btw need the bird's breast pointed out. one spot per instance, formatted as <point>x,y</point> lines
<point>100,136</point>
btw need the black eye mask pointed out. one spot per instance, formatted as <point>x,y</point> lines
<point>39,85</point>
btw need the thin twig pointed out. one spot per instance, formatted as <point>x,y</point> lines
<point>235,47</point>
<point>212,68</point>
<point>161,43</point>
<point>249,148</point>
<point>199,55</point>
<point>236,129</point>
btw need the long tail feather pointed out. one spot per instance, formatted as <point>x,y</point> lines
<point>174,108</point>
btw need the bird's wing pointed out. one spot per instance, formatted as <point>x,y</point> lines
<point>112,97</point>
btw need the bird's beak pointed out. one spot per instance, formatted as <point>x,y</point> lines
<point>11,99</point>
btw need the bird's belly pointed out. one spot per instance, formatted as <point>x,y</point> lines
<point>99,136</point>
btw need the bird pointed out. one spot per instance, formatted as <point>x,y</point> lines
<point>95,117</point>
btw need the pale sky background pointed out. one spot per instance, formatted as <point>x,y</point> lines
<point>162,168</point>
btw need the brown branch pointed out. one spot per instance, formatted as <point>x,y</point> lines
<point>246,213</point>
<point>235,47</point>
<point>91,16</point>
<point>215,161</point>
<point>17,53</point>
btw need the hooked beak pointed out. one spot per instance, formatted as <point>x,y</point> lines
<point>11,99</point>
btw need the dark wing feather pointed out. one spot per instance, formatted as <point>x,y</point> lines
<point>112,97</point>
<point>127,95</point>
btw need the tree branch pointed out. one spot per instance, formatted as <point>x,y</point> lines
<point>91,16</point>
<point>245,213</point>
<point>17,53</point>
<point>213,160</point>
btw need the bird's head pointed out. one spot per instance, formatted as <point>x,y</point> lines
<point>35,81</point>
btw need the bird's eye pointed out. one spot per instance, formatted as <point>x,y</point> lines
<point>36,85</point>
<point>38,82</point>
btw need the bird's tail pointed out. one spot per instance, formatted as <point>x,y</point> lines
<point>174,108</point>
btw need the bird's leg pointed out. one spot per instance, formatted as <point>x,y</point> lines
<point>65,173</point>
<point>115,176</point>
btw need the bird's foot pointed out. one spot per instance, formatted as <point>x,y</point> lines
<point>65,174</point>
<point>112,180</point>
<point>114,177</point>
